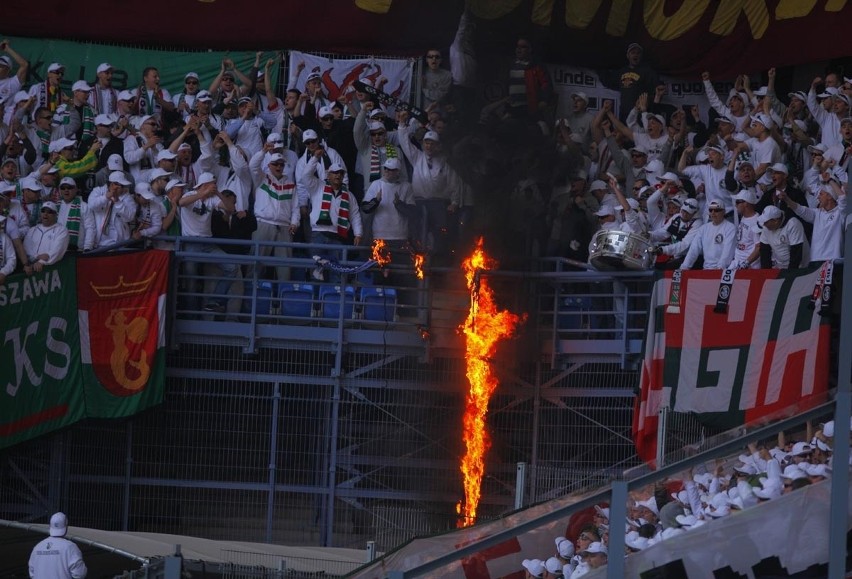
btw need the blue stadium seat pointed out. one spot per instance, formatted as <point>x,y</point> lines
<point>329,296</point>
<point>265,291</point>
<point>379,304</point>
<point>297,299</point>
<point>574,313</point>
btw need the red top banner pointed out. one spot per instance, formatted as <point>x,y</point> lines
<point>724,37</point>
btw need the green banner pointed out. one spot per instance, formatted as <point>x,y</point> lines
<point>81,60</point>
<point>40,369</point>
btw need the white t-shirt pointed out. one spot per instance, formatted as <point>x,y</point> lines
<point>195,218</point>
<point>780,241</point>
<point>827,238</point>
<point>388,223</point>
<point>748,236</point>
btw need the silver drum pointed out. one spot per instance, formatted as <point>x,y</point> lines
<point>619,250</point>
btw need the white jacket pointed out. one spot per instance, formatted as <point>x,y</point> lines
<point>57,558</point>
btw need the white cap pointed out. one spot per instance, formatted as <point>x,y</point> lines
<point>336,168</point>
<point>325,112</point>
<point>144,189</point>
<point>126,95</point>
<point>60,144</point>
<point>204,179</point>
<point>58,525</point>
<point>580,95</point>
<point>193,75</point>
<point>746,195</point>
<point>50,205</point>
<point>761,91</point>
<point>158,173</point>
<point>118,177</point>
<point>174,183</point>
<point>391,163</point>
<point>104,66</point>
<point>779,168</point>
<point>534,566</point>
<point>115,162</point>
<point>203,96</point>
<point>276,157</point>
<point>166,155</point>
<point>690,206</point>
<point>432,136</point>
<point>104,120</point>
<point>275,138</point>
<point>81,85</point>
<point>770,212</point>
<point>376,126</point>
<point>31,184</point>
<point>309,134</point>
<point>597,185</point>
<point>596,547</point>
<point>68,181</point>
<point>605,211</point>
<point>54,66</point>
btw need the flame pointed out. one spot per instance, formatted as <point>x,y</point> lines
<point>381,254</point>
<point>417,259</point>
<point>484,327</point>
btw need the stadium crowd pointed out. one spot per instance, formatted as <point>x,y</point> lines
<point>761,183</point>
<point>673,507</point>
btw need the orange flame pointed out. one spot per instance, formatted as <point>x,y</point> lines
<point>381,254</point>
<point>417,259</point>
<point>484,328</point>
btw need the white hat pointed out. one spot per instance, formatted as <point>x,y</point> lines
<point>715,205</point>
<point>763,119</point>
<point>126,95</point>
<point>60,144</point>
<point>104,66</point>
<point>580,95</point>
<point>701,156</point>
<point>144,189</point>
<point>68,181</point>
<point>761,91</point>
<point>275,138</point>
<point>203,96</point>
<point>139,121</point>
<point>779,168</point>
<point>818,148</point>
<point>274,157</point>
<point>534,566</point>
<point>81,85</point>
<point>654,166</point>
<point>158,173</point>
<point>336,168</point>
<point>54,66</point>
<point>639,149</point>
<point>58,525</point>
<point>735,94</point>
<point>596,547</point>
<point>649,116</point>
<point>50,205</point>
<point>801,448</point>
<point>376,126</point>
<point>193,75</point>
<point>716,148</point>
<point>793,472</point>
<point>5,61</point>
<point>378,112</point>
<point>432,136</point>
<point>564,547</point>
<point>6,187</point>
<point>669,176</point>
<point>690,206</point>
<point>174,183</point>
<point>31,184</point>
<point>553,565</point>
<point>309,134</point>
<point>602,511</point>
<point>184,147</point>
<point>204,179</point>
<point>118,177</point>
<point>605,211</point>
<point>746,195</point>
<point>104,120</point>
<point>325,112</point>
<point>724,119</point>
<point>391,163</point>
<point>166,155</point>
<point>769,212</point>
<point>115,162</point>
<point>798,95</point>
<point>597,185</point>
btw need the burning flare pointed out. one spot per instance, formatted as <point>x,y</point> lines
<point>381,254</point>
<point>484,328</point>
<point>417,260</point>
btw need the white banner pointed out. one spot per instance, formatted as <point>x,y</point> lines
<point>679,93</point>
<point>392,76</point>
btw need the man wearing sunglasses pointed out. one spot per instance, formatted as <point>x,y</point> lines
<point>49,92</point>
<point>437,81</point>
<point>185,101</point>
<point>46,243</point>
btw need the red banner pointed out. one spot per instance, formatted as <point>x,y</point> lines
<point>766,354</point>
<point>121,299</point>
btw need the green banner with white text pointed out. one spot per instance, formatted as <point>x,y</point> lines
<point>40,371</point>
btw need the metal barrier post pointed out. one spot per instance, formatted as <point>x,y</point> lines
<point>520,478</point>
<point>617,519</point>
<point>662,424</point>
